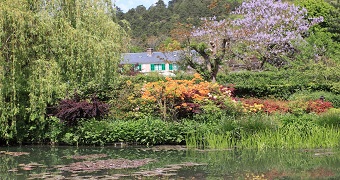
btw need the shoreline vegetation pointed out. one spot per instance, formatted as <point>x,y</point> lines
<point>260,131</point>
<point>62,81</point>
<point>202,120</point>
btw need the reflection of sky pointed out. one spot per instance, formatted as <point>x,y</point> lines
<point>125,5</point>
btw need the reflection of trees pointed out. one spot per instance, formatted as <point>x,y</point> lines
<point>6,164</point>
<point>219,162</point>
<point>234,162</point>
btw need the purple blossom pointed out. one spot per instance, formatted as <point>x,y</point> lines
<point>269,23</point>
<point>268,27</point>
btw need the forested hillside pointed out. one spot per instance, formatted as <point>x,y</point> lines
<point>152,25</point>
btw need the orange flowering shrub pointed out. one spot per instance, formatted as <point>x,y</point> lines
<point>182,98</point>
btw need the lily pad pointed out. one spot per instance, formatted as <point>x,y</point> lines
<point>89,157</point>
<point>166,148</point>
<point>169,170</point>
<point>91,166</point>
<point>14,153</point>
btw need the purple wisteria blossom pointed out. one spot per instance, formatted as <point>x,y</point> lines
<point>213,30</point>
<point>268,28</point>
<point>271,27</point>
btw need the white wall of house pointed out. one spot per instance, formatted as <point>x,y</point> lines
<point>146,68</point>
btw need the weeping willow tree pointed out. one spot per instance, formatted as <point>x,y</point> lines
<point>47,48</point>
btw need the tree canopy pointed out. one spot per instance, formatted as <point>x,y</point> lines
<point>152,25</point>
<point>47,49</point>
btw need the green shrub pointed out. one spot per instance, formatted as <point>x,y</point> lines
<point>336,88</point>
<point>211,112</point>
<point>55,130</point>
<point>257,122</point>
<point>330,119</point>
<point>307,96</point>
<point>283,83</point>
<point>70,138</point>
<point>291,119</point>
<point>298,107</point>
<point>147,131</point>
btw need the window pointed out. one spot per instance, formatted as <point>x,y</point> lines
<point>173,67</point>
<point>138,68</point>
<point>157,67</point>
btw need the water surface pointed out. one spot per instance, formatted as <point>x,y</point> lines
<point>165,162</point>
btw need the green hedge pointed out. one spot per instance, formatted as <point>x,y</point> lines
<point>149,131</point>
<point>282,84</point>
<point>277,91</point>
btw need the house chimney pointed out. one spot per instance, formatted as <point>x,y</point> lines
<point>149,52</point>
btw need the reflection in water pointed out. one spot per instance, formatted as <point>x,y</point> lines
<point>166,162</point>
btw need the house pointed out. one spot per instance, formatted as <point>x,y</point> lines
<point>150,61</point>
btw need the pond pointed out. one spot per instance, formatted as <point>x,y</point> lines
<point>165,162</point>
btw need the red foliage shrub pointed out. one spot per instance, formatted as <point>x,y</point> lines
<point>318,106</point>
<point>71,110</point>
<point>271,106</point>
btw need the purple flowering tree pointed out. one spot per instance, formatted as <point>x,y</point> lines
<point>267,29</point>
<point>271,28</point>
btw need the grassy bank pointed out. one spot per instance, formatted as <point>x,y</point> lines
<point>283,138</point>
<point>259,131</point>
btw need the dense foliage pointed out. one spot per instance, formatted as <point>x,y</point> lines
<point>283,83</point>
<point>276,40</point>
<point>266,36</point>
<point>51,48</point>
<point>176,99</point>
<point>150,26</point>
<point>276,131</point>
<point>47,49</point>
<point>70,111</point>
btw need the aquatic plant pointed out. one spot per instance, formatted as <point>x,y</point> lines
<point>330,119</point>
<point>91,166</point>
<point>282,138</point>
